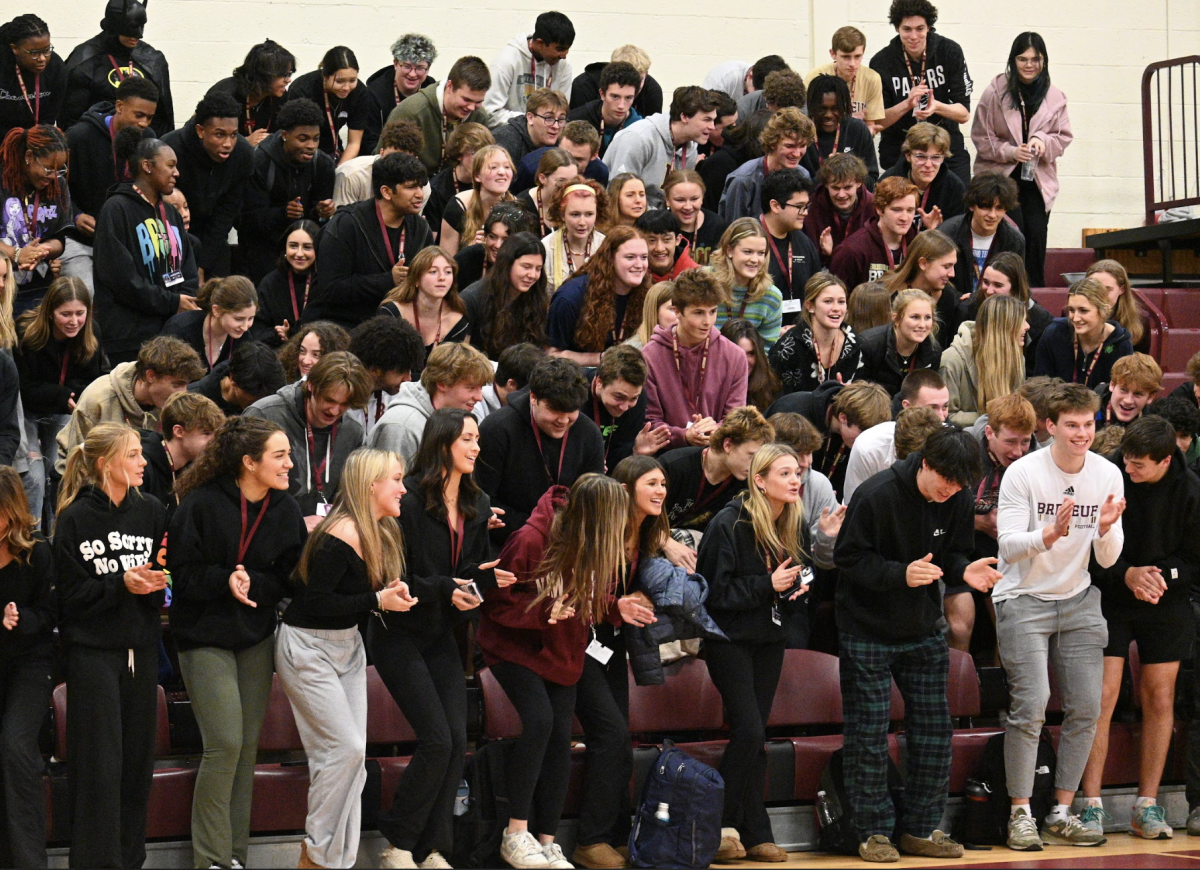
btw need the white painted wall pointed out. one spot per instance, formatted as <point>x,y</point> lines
<point>1097,48</point>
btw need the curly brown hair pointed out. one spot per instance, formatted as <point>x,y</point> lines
<point>331,336</point>
<point>599,308</point>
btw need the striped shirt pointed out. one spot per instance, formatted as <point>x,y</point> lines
<point>766,313</point>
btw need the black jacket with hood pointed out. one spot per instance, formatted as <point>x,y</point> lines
<point>93,164</point>
<point>42,370</point>
<point>514,472</point>
<point>356,273</point>
<point>888,525</point>
<point>514,137</point>
<point>381,87</point>
<point>132,301</point>
<point>958,230</point>
<point>879,361</point>
<point>946,191</point>
<point>203,552</point>
<point>95,543</point>
<point>1059,355</point>
<point>586,87</point>
<point>1160,523</point>
<point>274,182</point>
<point>214,193</point>
<point>91,77</point>
<point>50,86</point>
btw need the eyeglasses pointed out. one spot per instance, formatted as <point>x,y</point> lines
<point>37,53</point>
<point>412,69</point>
<point>1034,62</point>
<point>801,208</point>
<point>551,121</point>
<point>931,159</point>
<point>51,172</point>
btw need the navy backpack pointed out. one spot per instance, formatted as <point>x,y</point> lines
<point>694,795</point>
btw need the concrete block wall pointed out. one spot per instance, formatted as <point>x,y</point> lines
<point>1097,49</point>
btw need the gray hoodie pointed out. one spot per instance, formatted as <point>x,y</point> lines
<point>515,75</point>
<point>646,149</point>
<point>403,423</point>
<point>285,409</point>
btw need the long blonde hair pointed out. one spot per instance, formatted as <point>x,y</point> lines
<point>776,539</point>
<point>929,245</point>
<point>1128,310</point>
<point>105,441</point>
<point>8,292</point>
<point>655,297</point>
<point>474,216</point>
<point>586,556</point>
<point>998,349</point>
<point>380,540</point>
<point>722,264</point>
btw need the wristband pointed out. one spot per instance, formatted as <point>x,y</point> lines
<point>379,600</point>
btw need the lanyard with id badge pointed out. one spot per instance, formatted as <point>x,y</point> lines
<point>597,650</point>
<point>320,471</point>
<point>168,244</point>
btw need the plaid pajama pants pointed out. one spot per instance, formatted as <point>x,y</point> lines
<point>921,669</point>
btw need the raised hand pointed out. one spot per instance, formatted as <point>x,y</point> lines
<point>922,572</point>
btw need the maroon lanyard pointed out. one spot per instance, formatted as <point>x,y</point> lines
<point>1091,368</point>
<point>562,453</point>
<point>116,66</point>
<point>837,457</point>
<point>903,252</point>
<point>785,265</point>
<point>213,352</point>
<point>35,107</point>
<point>456,541</point>
<point>244,539</point>
<point>596,418</point>
<point>62,375</point>
<point>296,309</point>
<point>693,402</point>
<point>915,80</point>
<point>320,471</point>
<point>337,152</point>
<point>837,137</point>
<point>387,242</point>
<point>697,504</point>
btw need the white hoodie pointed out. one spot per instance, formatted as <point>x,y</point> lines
<point>515,75</point>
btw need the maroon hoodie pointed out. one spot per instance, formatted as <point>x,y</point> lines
<point>822,214</point>
<point>668,387</point>
<point>863,257</point>
<point>509,629</point>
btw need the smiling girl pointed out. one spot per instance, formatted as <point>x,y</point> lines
<point>311,342</point>
<point>891,351</point>
<point>1082,347</point>
<point>492,173</point>
<point>823,347</point>
<point>741,265</point>
<point>227,310</point>
<point>929,265</point>
<point>576,208</point>
<point>284,292</point>
<point>345,101</point>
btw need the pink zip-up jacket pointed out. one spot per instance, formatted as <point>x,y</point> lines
<point>996,133</point>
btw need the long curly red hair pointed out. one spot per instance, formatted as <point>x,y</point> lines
<point>599,308</point>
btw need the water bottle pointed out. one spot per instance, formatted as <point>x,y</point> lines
<point>1029,169</point>
<point>663,813</point>
<point>824,811</point>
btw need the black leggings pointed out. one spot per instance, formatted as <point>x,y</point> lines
<point>539,765</point>
<point>1033,221</point>
<point>602,705</point>
<point>746,675</point>
<point>112,715</point>
<point>25,687</point>
<point>426,680</point>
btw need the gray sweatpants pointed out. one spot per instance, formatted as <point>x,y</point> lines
<point>1072,634</point>
<point>325,676</point>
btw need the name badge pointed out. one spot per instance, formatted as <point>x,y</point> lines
<point>793,306</point>
<point>172,278</point>
<point>599,651</point>
<point>324,508</point>
<point>775,617</point>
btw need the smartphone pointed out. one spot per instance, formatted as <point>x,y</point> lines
<point>472,589</point>
<point>803,580</point>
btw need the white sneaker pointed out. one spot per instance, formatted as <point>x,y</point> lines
<point>435,861</point>
<point>521,849</point>
<point>557,860</point>
<point>397,859</point>
<point>236,865</point>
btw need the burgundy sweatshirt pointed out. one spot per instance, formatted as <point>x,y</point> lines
<point>668,387</point>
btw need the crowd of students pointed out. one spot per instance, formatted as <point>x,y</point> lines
<point>522,348</point>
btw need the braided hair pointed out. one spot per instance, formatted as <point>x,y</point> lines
<point>21,28</point>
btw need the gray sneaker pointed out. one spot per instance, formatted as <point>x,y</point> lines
<point>1093,818</point>
<point>1023,834</point>
<point>1070,832</point>
<point>1193,822</point>
<point>1150,823</point>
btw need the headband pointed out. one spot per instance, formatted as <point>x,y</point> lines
<point>578,188</point>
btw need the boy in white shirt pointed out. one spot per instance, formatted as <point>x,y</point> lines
<point>1056,508</point>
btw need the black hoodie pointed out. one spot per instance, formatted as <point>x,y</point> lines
<point>888,525</point>
<point>214,193</point>
<point>381,86</point>
<point>586,87</point>
<point>92,77</point>
<point>1160,523</point>
<point>210,387</point>
<point>740,594</point>
<point>880,362</point>
<point>275,182</point>
<point>946,191</point>
<point>833,456</point>
<point>132,301</point>
<point>41,371</point>
<point>46,92</point>
<point>429,566</point>
<point>691,500</point>
<point>619,433</point>
<point>203,552</point>
<point>853,137</point>
<point>93,164</point>
<point>261,117</point>
<point>514,137</point>
<point>188,327</point>
<point>158,478</point>
<point>356,273</point>
<point>514,471</point>
<point>275,302</point>
<point>945,72</point>
<point>95,543</point>
<point>31,587</point>
<point>966,271</point>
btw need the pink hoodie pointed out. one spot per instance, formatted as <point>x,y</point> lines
<point>996,133</point>
<point>667,393</point>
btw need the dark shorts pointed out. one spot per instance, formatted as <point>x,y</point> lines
<point>1161,637</point>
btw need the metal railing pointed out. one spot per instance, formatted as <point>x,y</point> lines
<point>1171,134</point>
